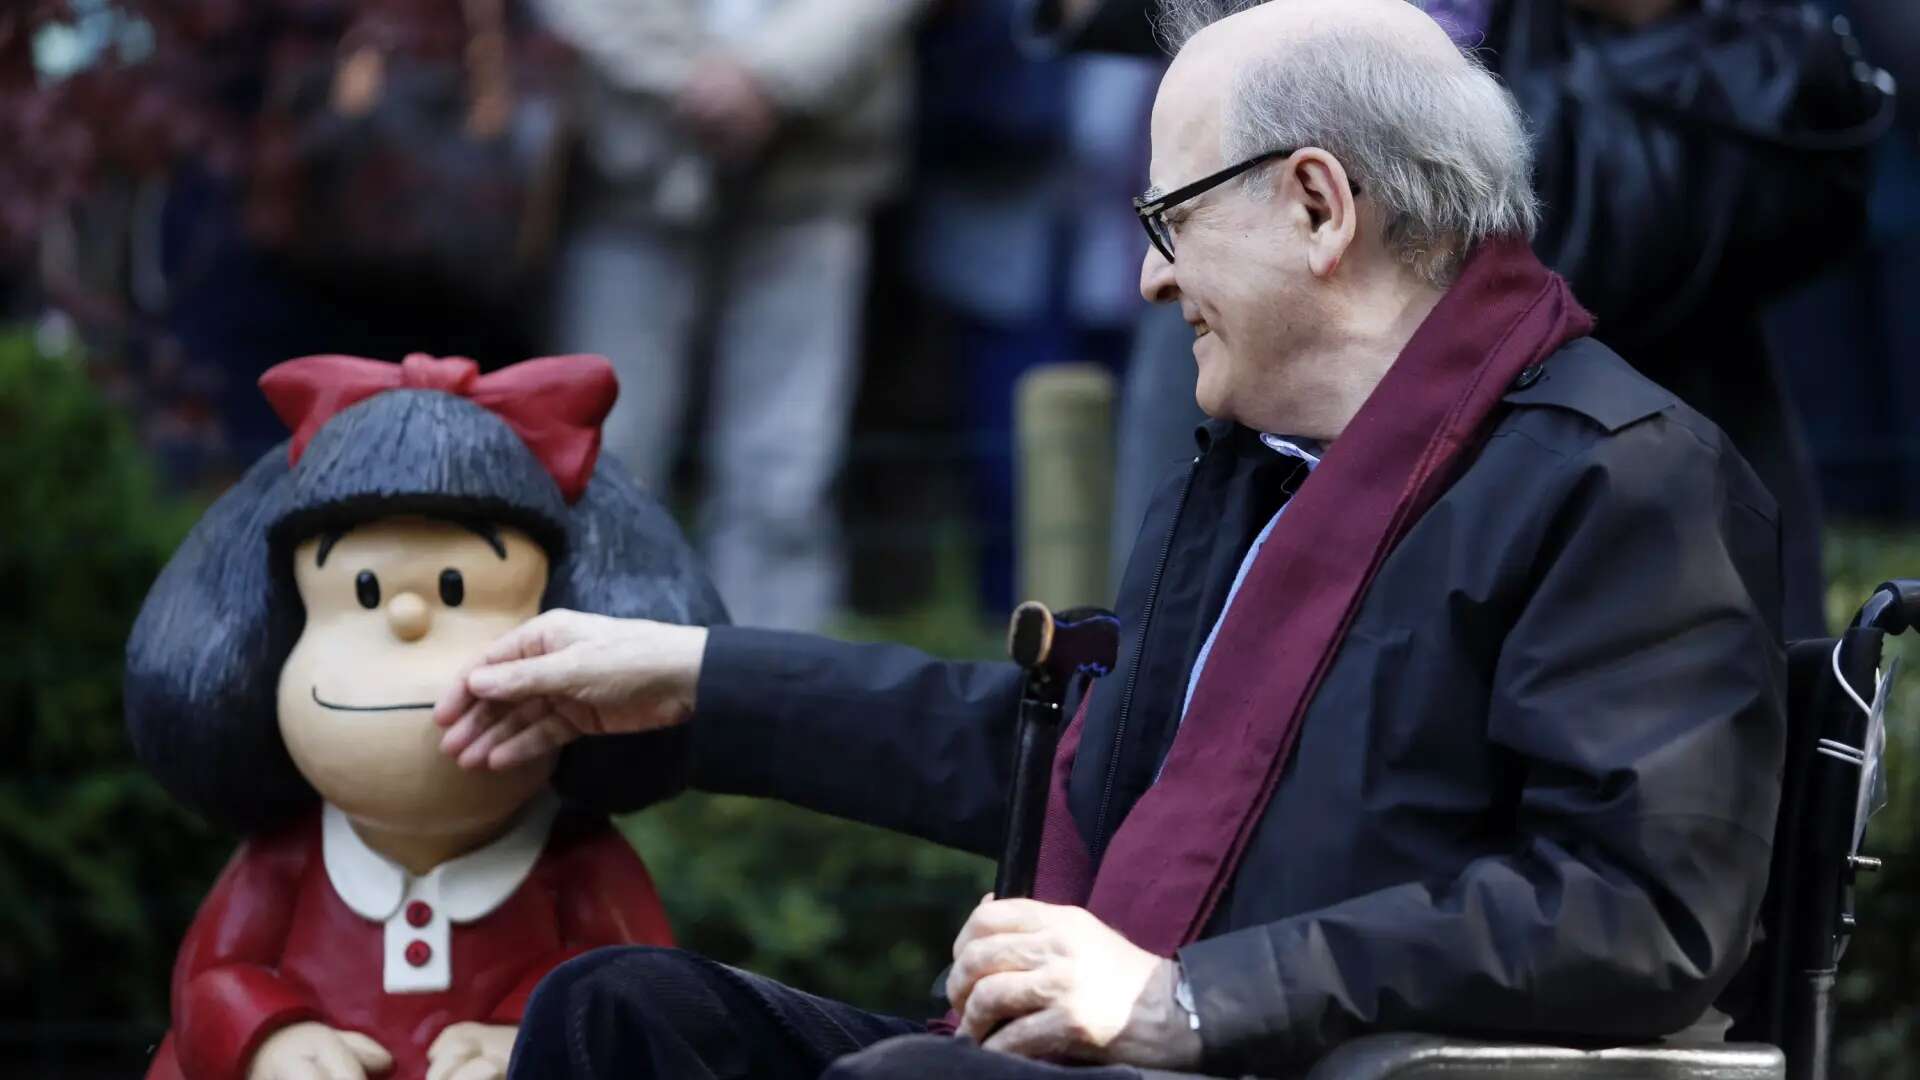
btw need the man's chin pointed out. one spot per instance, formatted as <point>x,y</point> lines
<point>1210,399</point>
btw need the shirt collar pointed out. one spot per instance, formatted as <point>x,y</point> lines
<point>471,886</point>
<point>1305,449</point>
<point>1213,431</point>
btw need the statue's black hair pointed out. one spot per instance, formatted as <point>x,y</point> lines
<point>203,663</point>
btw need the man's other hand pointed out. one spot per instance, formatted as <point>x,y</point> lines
<point>726,107</point>
<point>564,674</point>
<point>1065,985</point>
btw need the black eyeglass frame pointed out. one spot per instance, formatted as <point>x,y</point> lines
<point>1153,212</point>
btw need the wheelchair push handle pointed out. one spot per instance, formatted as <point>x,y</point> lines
<point>1894,607</point>
<point>1052,650</point>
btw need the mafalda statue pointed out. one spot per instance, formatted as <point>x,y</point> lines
<point>389,912</point>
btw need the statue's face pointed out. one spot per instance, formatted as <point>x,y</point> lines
<point>396,609</point>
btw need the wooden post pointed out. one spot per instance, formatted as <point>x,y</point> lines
<point>1063,439</point>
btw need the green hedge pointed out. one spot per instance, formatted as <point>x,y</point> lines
<point>98,867</point>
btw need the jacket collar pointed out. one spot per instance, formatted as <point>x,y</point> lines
<point>471,886</point>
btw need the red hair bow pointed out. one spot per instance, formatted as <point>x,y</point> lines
<point>555,404</point>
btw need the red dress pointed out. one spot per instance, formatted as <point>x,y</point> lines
<point>275,944</point>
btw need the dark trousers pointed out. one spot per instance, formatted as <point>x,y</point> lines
<point>640,1013</point>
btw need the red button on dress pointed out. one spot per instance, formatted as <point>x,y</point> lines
<point>419,913</point>
<point>418,953</point>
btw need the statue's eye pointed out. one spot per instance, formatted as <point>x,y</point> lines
<point>367,587</point>
<point>453,587</point>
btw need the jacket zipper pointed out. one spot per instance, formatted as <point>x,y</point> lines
<point>1133,672</point>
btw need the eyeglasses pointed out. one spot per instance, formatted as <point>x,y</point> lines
<point>1153,208</point>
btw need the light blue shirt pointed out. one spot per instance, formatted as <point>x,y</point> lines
<point>1289,449</point>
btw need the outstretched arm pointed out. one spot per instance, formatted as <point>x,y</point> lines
<point>877,733</point>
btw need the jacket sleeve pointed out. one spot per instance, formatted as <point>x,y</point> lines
<point>809,55</point>
<point>881,734</point>
<point>1662,192</point>
<point>603,895</point>
<point>1640,694</point>
<point>227,994</point>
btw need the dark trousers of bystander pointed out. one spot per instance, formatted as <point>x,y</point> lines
<point>641,1013</point>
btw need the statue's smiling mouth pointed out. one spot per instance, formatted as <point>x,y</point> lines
<point>325,704</point>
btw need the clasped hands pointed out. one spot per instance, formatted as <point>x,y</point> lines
<point>1050,981</point>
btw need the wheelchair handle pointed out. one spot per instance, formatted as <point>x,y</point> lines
<point>1051,649</point>
<point>1894,607</point>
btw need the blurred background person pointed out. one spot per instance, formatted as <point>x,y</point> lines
<point>734,153</point>
<point>1860,409</point>
<point>219,185</point>
<point>1018,234</point>
<point>1681,148</point>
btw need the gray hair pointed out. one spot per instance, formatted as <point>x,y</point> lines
<point>1439,146</point>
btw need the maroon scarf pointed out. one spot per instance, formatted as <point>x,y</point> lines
<point>1166,866</point>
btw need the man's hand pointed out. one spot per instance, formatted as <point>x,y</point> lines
<point>564,674</point>
<point>469,1051</point>
<point>1633,13</point>
<point>726,107</point>
<point>1066,985</point>
<point>311,1051</point>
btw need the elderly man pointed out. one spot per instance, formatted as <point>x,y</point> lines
<point>1449,695</point>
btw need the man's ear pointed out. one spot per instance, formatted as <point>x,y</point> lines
<point>1319,183</point>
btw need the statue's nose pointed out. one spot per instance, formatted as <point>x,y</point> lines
<point>409,617</point>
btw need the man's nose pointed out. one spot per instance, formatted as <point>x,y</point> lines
<point>1156,278</point>
<point>409,616</point>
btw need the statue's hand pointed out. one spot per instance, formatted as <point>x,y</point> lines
<point>313,1051</point>
<point>564,674</point>
<point>471,1052</point>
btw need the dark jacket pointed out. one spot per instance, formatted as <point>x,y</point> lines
<point>1533,796</point>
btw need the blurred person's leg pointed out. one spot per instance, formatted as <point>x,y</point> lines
<point>636,1013</point>
<point>992,358</point>
<point>1898,273</point>
<point>786,345</point>
<point>632,293</point>
<point>1156,421</point>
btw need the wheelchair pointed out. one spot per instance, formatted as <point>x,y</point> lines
<point>1783,1023</point>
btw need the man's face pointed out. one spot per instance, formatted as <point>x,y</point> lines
<point>1238,273</point>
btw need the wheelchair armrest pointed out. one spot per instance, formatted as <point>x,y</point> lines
<point>1408,1056</point>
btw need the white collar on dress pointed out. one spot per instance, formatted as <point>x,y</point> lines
<point>471,886</point>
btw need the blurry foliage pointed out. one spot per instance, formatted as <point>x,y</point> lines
<point>108,91</point>
<point>99,870</point>
<point>1879,1021</point>
<point>844,910</point>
